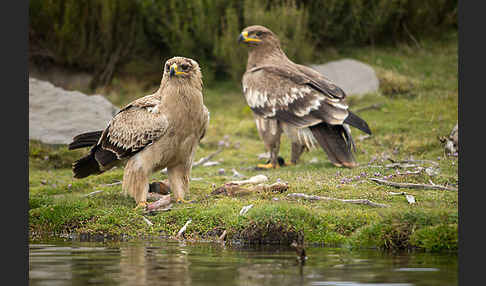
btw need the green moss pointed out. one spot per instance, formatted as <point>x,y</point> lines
<point>436,238</point>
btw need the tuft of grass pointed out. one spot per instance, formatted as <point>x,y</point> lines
<point>393,83</point>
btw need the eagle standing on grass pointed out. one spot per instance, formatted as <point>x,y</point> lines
<point>297,100</point>
<point>153,132</point>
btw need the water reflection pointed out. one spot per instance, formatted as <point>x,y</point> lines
<point>174,263</point>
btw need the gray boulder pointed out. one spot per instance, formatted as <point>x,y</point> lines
<point>354,77</point>
<point>57,115</point>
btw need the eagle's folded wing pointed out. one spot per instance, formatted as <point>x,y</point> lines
<point>133,128</point>
<point>321,83</point>
<point>291,96</point>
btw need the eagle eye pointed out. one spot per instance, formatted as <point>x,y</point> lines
<point>259,33</point>
<point>184,66</point>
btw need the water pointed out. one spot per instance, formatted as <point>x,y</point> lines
<point>177,263</point>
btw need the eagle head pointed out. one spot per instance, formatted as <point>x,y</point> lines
<point>254,36</point>
<point>180,67</point>
<point>181,71</point>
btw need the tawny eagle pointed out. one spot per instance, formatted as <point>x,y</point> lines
<point>289,98</point>
<point>153,132</point>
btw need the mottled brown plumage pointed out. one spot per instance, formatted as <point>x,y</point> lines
<point>289,98</point>
<point>153,132</point>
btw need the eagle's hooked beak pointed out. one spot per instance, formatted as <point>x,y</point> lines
<point>244,38</point>
<point>173,70</point>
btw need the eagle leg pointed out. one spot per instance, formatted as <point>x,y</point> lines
<point>270,131</point>
<point>179,181</point>
<point>297,150</point>
<point>136,181</point>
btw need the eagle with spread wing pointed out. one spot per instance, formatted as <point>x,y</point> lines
<point>153,132</point>
<point>289,98</point>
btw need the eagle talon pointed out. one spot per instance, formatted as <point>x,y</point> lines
<point>141,205</point>
<point>180,201</point>
<point>268,166</point>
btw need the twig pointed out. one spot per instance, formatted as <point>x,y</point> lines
<point>245,209</point>
<point>206,159</point>
<point>397,194</point>
<point>373,106</point>
<point>412,185</point>
<point>94,193</point>
<point>222,236</point>
<point>147,221</point>
<point>411,36</point>
<point>352,201</point>
<point>253,180</point>
<point>112,184</point>
<point>410,198</point>
<point>414,161</point>
<point>183,229</point>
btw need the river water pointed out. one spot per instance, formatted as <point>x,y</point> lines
<point>181,263</point>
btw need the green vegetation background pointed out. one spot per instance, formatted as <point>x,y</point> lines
<point>108,37</point>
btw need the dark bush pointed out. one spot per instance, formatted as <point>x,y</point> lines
<point>99,36</point>
<point>369,21</point>
<point>95,36</point>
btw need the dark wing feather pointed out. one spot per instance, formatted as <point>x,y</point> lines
<point>336,142</point>
<point>321,83</point>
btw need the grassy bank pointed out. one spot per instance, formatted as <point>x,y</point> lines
<point>418,103</point>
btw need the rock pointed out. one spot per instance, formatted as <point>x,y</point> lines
<point>57,115</point>
<point>354,77</point>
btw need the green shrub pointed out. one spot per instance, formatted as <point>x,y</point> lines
<point>365,21</point>
<point>436,238</point>
<point>88,35</point>
<point>393,83</point>
<point>105,36</point>
<point>287,21</point>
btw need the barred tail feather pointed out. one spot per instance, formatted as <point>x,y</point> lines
<point>86,166</point>
<point>356,121</point>
<point>336,141</point>
<point>85,140</point>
